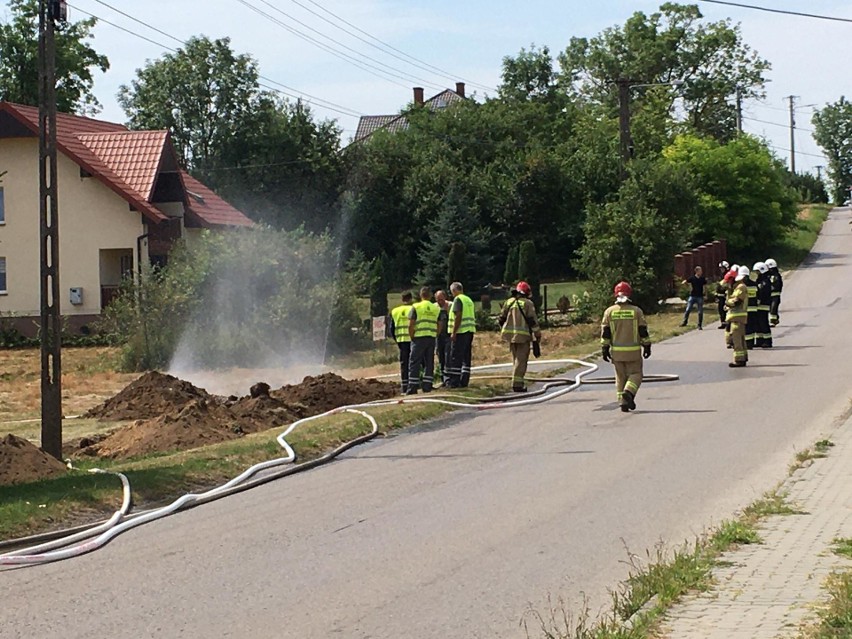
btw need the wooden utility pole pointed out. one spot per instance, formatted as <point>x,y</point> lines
<point>739,111</point>
<point>819,168</point>
<point>625,141</point>
<point>51,329</point>
<point>792,99</point>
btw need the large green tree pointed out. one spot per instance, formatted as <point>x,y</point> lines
<point>833,132</point>
<point>76,60</point>
<point>267,155</point>
<point>673,44</point>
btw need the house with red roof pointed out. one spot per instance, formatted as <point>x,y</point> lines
<point>123,201</point>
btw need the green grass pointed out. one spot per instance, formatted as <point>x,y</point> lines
<point>843,546</point>
<point>835,618</point>
<point>799,240</point>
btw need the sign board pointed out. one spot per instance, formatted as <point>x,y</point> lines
<point>379,330</point>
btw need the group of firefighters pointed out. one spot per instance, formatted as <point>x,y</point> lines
<point>748,302</point>
<point>447,327</point>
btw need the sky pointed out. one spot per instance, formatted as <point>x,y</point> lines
<point>458,40</point>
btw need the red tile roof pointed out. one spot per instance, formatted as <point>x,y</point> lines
<point>127,162</point>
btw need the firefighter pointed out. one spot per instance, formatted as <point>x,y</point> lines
<point>737,306</point>
<point>462,324</point>
<point>777,283</point>
<point>751,322</point>
<point>764,301</point>
<point>729,281</point>
<point>625,342</point>
<point>520,328</point>
<point>399,331</point>
<point>423,330</point>
<point>722,291</point>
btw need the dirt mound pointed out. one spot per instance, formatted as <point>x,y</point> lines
<point>152,395</point>
<point>322,393</point>
<point>21,461</point>
<point>263,412</point>
<point>198,423</point>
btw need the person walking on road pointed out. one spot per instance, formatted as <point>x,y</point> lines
<point>423,330</point>
<point>777,283</point>
<point>625,342</point>
<point>722,292</point>
<point>442,343</point>
<point>519,327</point>
<point>696,296</point>
<point>737,317</point>
<point>399,331</point>
<point>462,323</point>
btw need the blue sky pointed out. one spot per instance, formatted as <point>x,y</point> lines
<point>467,39</point>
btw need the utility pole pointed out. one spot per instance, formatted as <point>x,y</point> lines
<point>819,168</point>
<point>792,99</point>
<point>739,107</point>
<point>50,11</point>
<point>625,141</point>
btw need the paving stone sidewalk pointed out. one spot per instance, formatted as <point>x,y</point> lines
<point>771,588</point>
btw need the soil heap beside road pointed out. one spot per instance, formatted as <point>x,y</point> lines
<point>22,461</point>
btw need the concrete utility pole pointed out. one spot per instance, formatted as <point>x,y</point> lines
<point>792,99</point>
<point>739,107</point>
<point>50,11</point>
<point>625,141</point>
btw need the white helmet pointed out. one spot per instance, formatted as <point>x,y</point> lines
<point>742,273</point>
<point>770,263</point>
<point>760,267</point>
<point>735,267</point>
<point>723,264</point>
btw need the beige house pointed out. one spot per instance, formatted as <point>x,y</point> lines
<point>123,200</point>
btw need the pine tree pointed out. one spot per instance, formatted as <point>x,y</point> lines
<point>457,263</point>
<point>510,272</point>
<point>378,288</point>
<point>528,270</point>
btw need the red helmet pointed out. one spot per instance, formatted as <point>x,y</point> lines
<point>729,277</point>
<point>623,288</point>
<point>523,288</point>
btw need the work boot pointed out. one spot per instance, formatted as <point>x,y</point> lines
<point>722,326</point>
<point>411,391</point>
<point>700,327</point>
<point>628,398</point>
<point>736,364</point>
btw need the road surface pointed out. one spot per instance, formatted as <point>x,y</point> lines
<point>455,529</point>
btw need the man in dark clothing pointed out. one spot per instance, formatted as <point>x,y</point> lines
<point>696,296</point>
<point>442,344</point>
<point>777,283</point>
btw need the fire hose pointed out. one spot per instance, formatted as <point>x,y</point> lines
<point>64,544</point>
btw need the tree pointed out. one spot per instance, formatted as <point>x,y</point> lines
<point>457,263</point>
<point>833,132</point>
<point>528,270</point>
<point>528,76</point>
<point>75,60</point>
<point>378,288</point>
<point>672,44</point>
<point>510,271</point>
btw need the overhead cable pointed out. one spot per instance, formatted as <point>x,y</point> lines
<point>781,11</point>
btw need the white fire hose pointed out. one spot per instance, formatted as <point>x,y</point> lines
<point>73,542</point>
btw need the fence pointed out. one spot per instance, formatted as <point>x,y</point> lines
<point>707,256</point>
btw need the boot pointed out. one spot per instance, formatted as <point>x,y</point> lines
<point>736,364</point>
<point>627,402</point>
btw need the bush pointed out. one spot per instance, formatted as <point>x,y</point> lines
<point>563,304</point>
<point>528,270</point>
<point>510,271</point>
<point>486,322</point>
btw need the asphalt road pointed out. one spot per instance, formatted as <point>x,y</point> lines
<point>453,530</point>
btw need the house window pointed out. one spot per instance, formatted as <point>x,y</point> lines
<point>2,275</point>
<point>2,209</point>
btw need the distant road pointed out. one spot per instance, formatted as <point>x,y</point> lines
<point>450,531</point>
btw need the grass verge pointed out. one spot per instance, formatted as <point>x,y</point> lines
<point>835,618</point>
<point>799,239</point>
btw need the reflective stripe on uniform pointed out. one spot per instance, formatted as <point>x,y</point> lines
<point>400,322</point>
<point>426,323</point>
<point>468,319</point>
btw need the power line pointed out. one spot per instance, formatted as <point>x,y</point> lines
<point>299,95</point>
<point>782,11</point>
<point>415,61</point>
<point>343,56</point>
<point>786,126</point>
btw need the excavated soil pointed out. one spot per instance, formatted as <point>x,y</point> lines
<point>150,396</point>
<point>21,461</point>
<point>172,414</point>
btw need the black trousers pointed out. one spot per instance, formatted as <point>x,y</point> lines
<point>751,328</point>
<point>404,356</point>
<point>422,357</point>
<point>721,306</point>
<point>774,313</point>
<point>442,345</point>
<point>764,330</point>
<point>461,354</point>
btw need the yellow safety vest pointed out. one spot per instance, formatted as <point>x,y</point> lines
<point>426,324</point>
<point>468,318</point>
<point>399,315</point>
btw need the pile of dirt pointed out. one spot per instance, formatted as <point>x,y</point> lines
<point>189,417</point>
<point>21,461</point>
<point>150,396</point>
<point>324,392</point>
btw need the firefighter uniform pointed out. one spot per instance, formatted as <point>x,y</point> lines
<point>399,330</point>
<point>777,284</point>
<point>424,314</point>
<point>751,320</point>
<point>737,317</point>
<point>461,348</point>
<point>519,325</point>
<point>624,335</point>
<point>764,301</point>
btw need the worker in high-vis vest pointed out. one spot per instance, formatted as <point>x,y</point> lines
<point>625,342</point>
<point>399,332</point>
<point>423,330</point>
<point>777,283</point>
<point>737,317</point>
<point>519,327</point>
<point>462,322</point>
